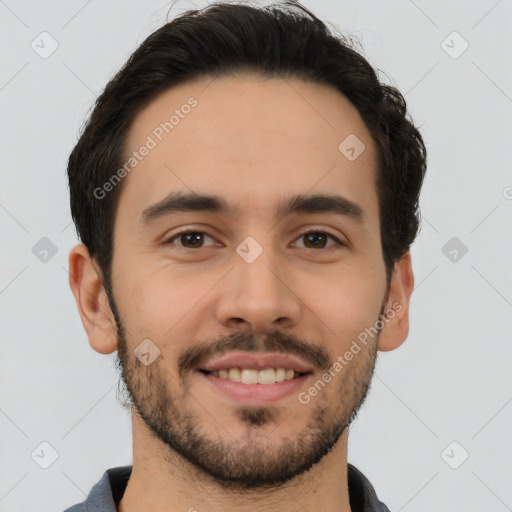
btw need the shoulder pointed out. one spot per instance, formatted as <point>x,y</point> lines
<point>106,493</point>
<point>362,495</point>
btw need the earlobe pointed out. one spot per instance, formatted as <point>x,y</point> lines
<point>87,287</point>
<point>396,325</point>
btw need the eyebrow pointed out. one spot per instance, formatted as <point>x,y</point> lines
<point>177,202</point>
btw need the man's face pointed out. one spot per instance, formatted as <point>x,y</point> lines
<point>248,282</point>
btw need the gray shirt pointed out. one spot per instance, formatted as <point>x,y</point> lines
<point>107,493</point>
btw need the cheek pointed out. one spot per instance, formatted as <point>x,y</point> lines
<point>346,304</point>
<point>166,304</point>
<point>159,304</point>
<point>148,303</point>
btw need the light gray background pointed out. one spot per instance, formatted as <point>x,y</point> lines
<point>450,381</point>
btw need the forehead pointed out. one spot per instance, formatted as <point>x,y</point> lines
<point>250,140</point>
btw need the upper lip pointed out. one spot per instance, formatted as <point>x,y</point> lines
<point>257,362</point>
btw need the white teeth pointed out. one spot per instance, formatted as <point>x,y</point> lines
<point>250,376</point>
<point>235,375</point>
<point>267,376</point>
<point>280,374</point>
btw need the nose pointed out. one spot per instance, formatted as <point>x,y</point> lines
<point>258,296</point>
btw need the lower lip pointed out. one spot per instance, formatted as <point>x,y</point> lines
<point>253,393</point>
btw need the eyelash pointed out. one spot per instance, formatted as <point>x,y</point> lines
<point>315,231</point>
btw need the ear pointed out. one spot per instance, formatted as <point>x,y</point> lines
<point>86,284</point>
<point>396,326</point>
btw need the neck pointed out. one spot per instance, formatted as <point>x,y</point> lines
<point>161,480</point>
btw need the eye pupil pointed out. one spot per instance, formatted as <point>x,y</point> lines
<point>315,237</point>
<point>192,236</point>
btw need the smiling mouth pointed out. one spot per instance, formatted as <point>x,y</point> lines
<point>251,376</point>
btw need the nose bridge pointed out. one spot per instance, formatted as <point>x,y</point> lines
<point>256,290</point>
<point>255,268</point>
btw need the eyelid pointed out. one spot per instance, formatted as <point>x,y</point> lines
<point>320,229</point>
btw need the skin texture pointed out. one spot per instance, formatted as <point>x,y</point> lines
<point>252,141</point>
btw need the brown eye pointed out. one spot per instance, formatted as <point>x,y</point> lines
<point>318,240</point>
<point>189,239</point>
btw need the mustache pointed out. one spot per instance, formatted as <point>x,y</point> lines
<point>276,341</point>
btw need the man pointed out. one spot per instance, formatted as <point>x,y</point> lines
<point>246,191</point>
